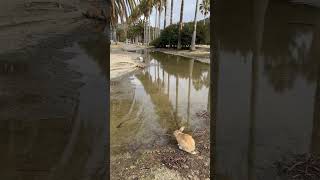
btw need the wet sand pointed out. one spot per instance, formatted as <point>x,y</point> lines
<point>165,162</point>
<point>49,91</point>
<point>124,59</point>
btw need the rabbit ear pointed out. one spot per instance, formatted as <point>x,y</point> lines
<point>181,129</point>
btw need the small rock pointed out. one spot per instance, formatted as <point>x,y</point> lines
<point>200,157</point>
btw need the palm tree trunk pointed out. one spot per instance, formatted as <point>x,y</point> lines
<point>159,21</point>
<point>149,30</point>
<point>165,13</point>
<point>171,12</point>
<point>156,23</point>
<point>144,31</point>
<point>180,24</point>
<point>153,36</point>
<point>115,35</point>
<point>193,41</point>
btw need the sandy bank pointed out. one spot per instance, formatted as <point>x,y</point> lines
<point>123,60</point>
<point>202,53</point>
<point>165,162</point>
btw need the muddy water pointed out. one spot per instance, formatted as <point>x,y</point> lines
<point>53,110</point>
<point>148,106</point>
<point>268,87</point>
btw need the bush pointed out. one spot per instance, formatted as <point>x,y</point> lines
<point>135,30</point>
<point>169,36</point>
<point>121,35</point>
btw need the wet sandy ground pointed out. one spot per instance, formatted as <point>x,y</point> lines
<point>47,96</point>
<point>165,162</point>
<point>122,62</point>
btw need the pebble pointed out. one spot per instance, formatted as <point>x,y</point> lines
<point>200,157</point>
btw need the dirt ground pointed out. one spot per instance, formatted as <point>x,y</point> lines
<point>123,59</point>
<point>166,162</point>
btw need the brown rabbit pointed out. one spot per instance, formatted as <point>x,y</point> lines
<point>185,141</point>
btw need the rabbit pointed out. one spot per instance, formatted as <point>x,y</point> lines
<point>185,141</point>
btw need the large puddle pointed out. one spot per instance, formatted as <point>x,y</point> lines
<point>268,88</point>
<point>54,126</point>
<point>148,106</point>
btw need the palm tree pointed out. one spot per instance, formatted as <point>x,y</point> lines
<point>193,41</point>
<point>120,10</point>
<point>205,9</point>
<point>165,13</point>
<point>158,6</point>
<point>180,24</point>
<point>171,12</point>
<point>155,24</point>
<point>160,10</point>
<point>144,8</point>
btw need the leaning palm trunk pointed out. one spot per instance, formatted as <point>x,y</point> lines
<point>180,24</point>
<point>193,41</point>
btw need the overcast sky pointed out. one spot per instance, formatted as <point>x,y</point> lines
<point>188,12</point>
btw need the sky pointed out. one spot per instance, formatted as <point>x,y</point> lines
<point>188,12</point>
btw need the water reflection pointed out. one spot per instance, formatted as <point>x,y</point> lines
<point>268,86</point>
<point>52,129</point>
<point>11,68</point>
<point>158,100</point>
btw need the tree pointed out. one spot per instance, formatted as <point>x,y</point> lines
<point>160,10</point>
<point>169,35</point>
<point>205,8</point>
<point>165,13</point>
<point>193,41</point>
<point>144,8</point>
<point>180,24</point>
<point>155,23</point>
<point>135,30</point>
<point>171,12</point>
<point>120,9</point>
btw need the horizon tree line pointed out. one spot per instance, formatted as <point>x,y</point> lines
<point>129,12</point>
